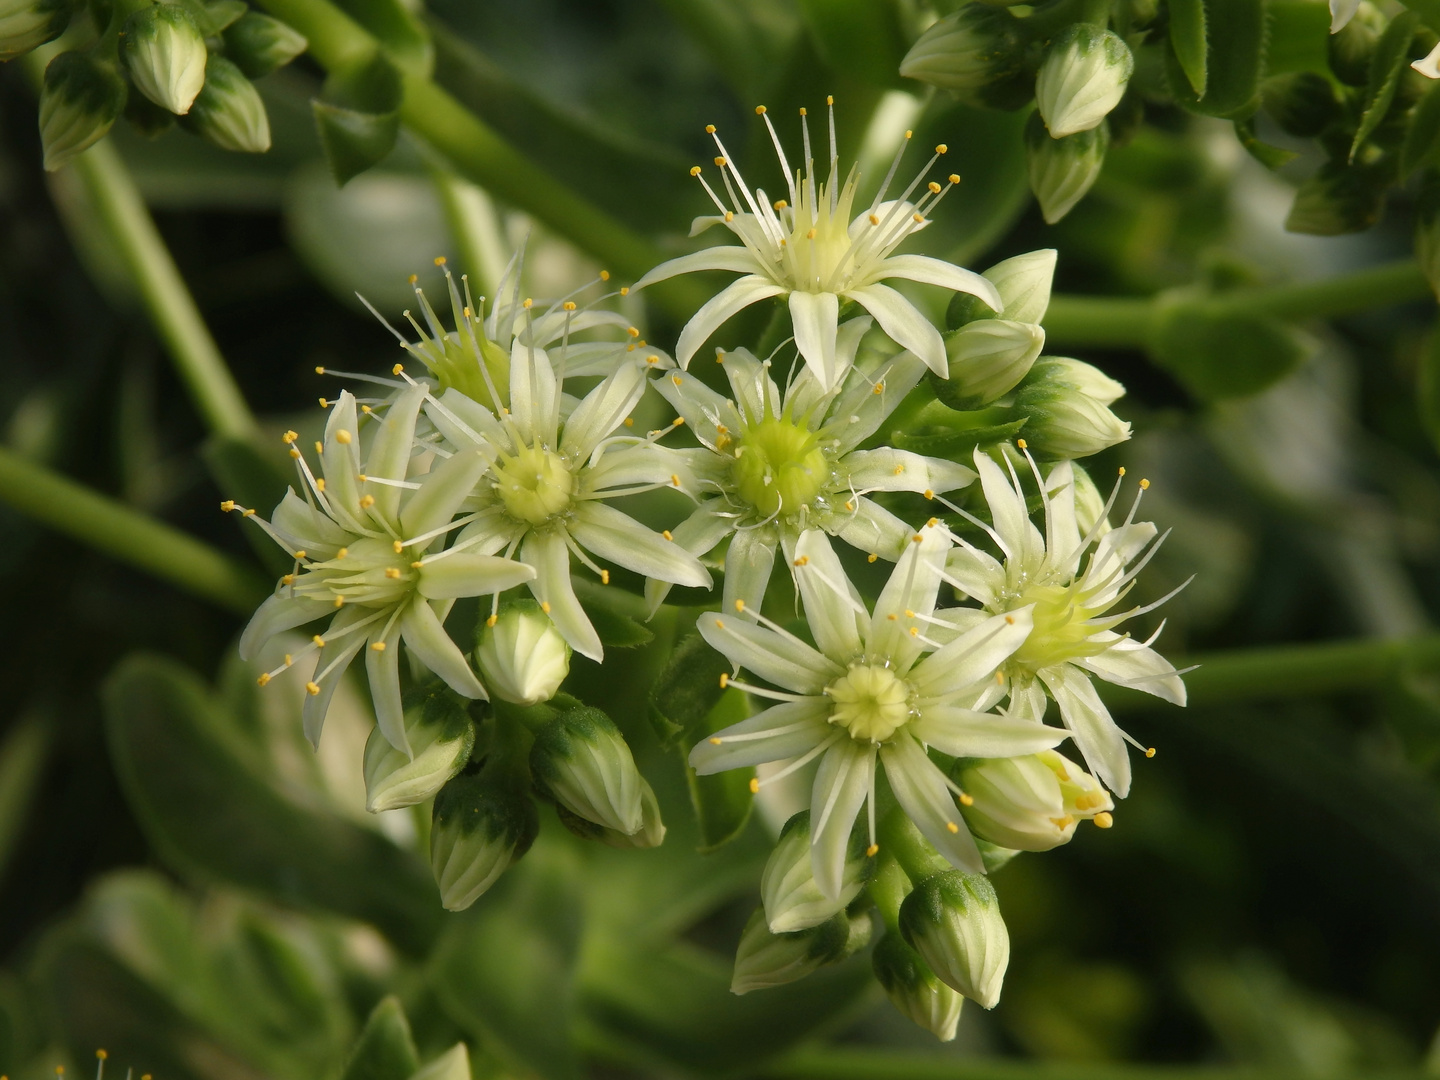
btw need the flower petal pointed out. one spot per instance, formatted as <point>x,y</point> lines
<point>740,294</point>
<point>340,462</point>
<point>492,530</point>
<point>1096,735</point>
<point>920,788</point>
<point>468,574</point>
<point>966,733</point>
<point>448,485</point>
<point>870,395</point>
<point>390,452</point>
<point>888,469</point>
<point>276,615</point>
<point>426,638</point>
<point>464,421</point>
<point>602,411</point>
<point>780,732</point>
<point>816,317</point>
<point>784,661</point>
<point>930,271</point>
<point>382,668</point>
<point>749,562</point>
<point>904,323</point>
<point>976,573</point>
<point>705,528</point>
<point>806,392</point>
<point>837,618</point>
<point>533,387</point>
<point>1019,539</point>
<point>908,599</point>
<point>1341,12</point>
<point>1131,663</point>
<point>871,528</point>
<point>330,667</point>
<point>608,533</point>
<point>845,777</point>
<point>755,391</point>
<point>703,410</point>
<point>307,529</point>
<point>973,656</point>
<point>547,553</point>
<point>720,257</point>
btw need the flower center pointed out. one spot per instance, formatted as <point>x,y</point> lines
<point>1060,631</point>
<point>870,702</point>
<point>779,466</point>
<point>369,572</point>
<point>535,484</point>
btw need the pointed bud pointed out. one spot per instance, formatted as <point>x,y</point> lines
<point>953,921</point>
<point>1024,284</point>
<point>228,111</point>
<point>259,44</point>
<point>1063,170</point>
<point>80,100</point>
<point>454,1064</point>
<point>977,53</point>
<point>650,834</point>
<point>988,358</point>
<point>764,959</point>
<point>1017,803</point>
<point>1063,420</point>
<point>1078,375</point>
<point>483,821</point>
<point>522,658</point>
<point>793,901</point>
<point>441,737</point>
<point>165,54</point>
<point>1084,76</point>
<point>914,989</point>
<point>582,761</point>
<point>26,24</point>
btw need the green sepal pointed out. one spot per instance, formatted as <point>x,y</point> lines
<point>259,44</point>
<point>1235,48</point>
<point>1272,157</point>
<point>1422,134</point>
<point>80,99</point>
<point>1188,41</point>
<point>613,613</point>
<point>357,115</point>
<point>959,443</point>
<point>686,690</point>
<point>385,1049</point>
<point>1216,353</point>
<point>1392,57</point>
<point>722,801</point>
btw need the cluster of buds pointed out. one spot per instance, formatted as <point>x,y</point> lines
<point>155,63</point>
<point>991,351</point>
<point>1066,404</point>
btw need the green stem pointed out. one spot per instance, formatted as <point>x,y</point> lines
<point>130,536</point>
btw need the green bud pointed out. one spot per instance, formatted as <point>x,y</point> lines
<point>964,309</point>
<point>1064,420</point>
<point>1024,284</point>
<point>1302,103</point>
<point>1083,77</point>
<point>650,834</point>
<point>79,102</point>
<point>764,959</point>
<point>228,111</point>
<point>1078,375</point>
<point>988,358</point>
<point>793,901</point>
<point>914,989</point>
<point>977,53</point>
<point>26,24</point>
<point>440,735</point>
<point>952,920</point>
<point>1063,170</point>
<point>165,54</point>
<point>259,44</point>
<point>482,822</point>
<point>1338,199</point>
<point>522,657</point>
<point>582,761</point>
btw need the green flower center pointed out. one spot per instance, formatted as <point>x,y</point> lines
<point>1060,631</point>
<point>870,702</point>
<point>369,572</point>
<point>779,466</point>
<point>535,484</point>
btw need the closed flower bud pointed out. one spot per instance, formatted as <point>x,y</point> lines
<point>1017,803</point>
<point>582,761</point>
<point>953,921</point>
<point>1301,103</point>
<point>764,959</point>
<point>988,358</point>
<point>228,111</point>
<point>1062,170</point>
<point>25,24</point>
<point>977,53</point>
<point>522,657</point>
<point>793,901</point>
<point>482,822</point>
<point>1078,375</point>
<point>650,834</point>
<point>914,989</point>
<point>1063,421</point>
<point>165,55</point>
<point>259,44</point>
<point>1024,284</point>
<point>79,102</point>
<point>1083,77</point>
<point>440,734</point>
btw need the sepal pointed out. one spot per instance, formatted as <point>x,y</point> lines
<point>228,111</point>
<point>28,24</point>
<point>259,44</point>
<point>764,959</point>
<point>1062,170</point>
<point>165,55</point>
<point>1083,77</point>
<point>81,97</point>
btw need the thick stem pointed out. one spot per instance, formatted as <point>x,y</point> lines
<point>130,536</point>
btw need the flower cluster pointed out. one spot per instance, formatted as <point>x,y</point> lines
<point>427,512</point>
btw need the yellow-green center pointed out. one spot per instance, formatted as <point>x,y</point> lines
<point>1060,631</point>
<point>534,484</point>
<point>369,572</point>
<point>870,702</point>
<point>779,466</point>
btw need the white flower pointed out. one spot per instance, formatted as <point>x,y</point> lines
<point>1429,64</point>
<point>808,248</point>
<point>366,546</point>
<point>774,467</point>
<point>1073,636</point>
<point>866,692</point>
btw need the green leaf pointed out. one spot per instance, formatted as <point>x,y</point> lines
<point>1299,34</point>
<point>384,1050</point>
<point>1392,56</point>
<point>615,614</point>
<point>404,36</point>
<point>354,141</point>
<point>722,802</point>
<point>1188,40</point>
<point>1272,157</point>
<point>1216,353</point>
<point>1235,51</point>
<point>175,758</point>
<point>859,37</point>
<point>1422,134</point>
<point>687,690</point>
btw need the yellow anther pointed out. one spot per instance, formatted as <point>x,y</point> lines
<point>320,485</point>
<point>1104,820</point>
<point>729,215</point>
<point>1021,443</point>
<point>300,553</point>
<point>319,371</point>
<point>227,505</point>
<point>934,187</point>
<point>324,403</point>
<point>319,641</point>
<point>492,620</point>
<point>967,800</point>
<point>1149,751</point>
<point>319,447</point>
<point>397,369</point>
<point>413,278</point>
<point>709,129</point>
<point>1122,470</point>
<point>720,161</point>
<point>528,303</point>
<point>829,100</point>
<point>313,688</point>
<point>932,523</point>
<point>871,558</point>
<point>666,534</point>
<point>916,538</point>
<point>677,380</point>
<point>802,111</point>
<point>918,218</point>
<point>289,437</point>
<point>545,606</point>
<point>721,429</point>
<point>342,437</point>
<point>909,614</point>
<point>803,560</point>
<point>652,359</point>
<point>263,679</point>
<point>679,421</point>
<point>675,479</point>
<point>909,134</point>
<point>569,305</point>
<point>850,505</point>
<point>287,579</point>
<point>914,631</point>
<point>899,469</point>
<point>874,219</point>
<point>624,290</point>
<point>632,331</point>
<point>604,275</point>
<point>392,572</point>
<point>893,617</point>
<point>377,646</point>
<point>810,235</point>
<point>294,454</point>
<point>941,149</point>
<point>342,553</point>
<point>872,851</point>
<point>439,260</point>
<point>694,170</point>
<point>719,624</point>
<point>879,388</point>
<point>629,421</point>
<point>716,740</point>
<point>466,312</point>
<point>367,501</point>
<point>339,601</point>
<point>759,110</point>
<point>1144,485</point>
<point>249,513</point>
<point>754,785</point>
<point>604,577</point>
<point>398,546</point>
<point>954,178</point>
<point>930,494</point>
<point>724,680</point>
<point>416,565</point>
<point>952,826</point>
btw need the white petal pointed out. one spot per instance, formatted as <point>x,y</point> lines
<point>1021,540</point>
<point>390,452</point>
<point>468,574</point>
<point>533,387</point>
<point>1341,12</point>
<point>1062,531</point>
<point>722,257</point>
<point>904,323</point>
<point>784,661</point>
<point>1429,64</point>
<point>426,637</point>
<point>308,529</point>
<point>340,462</point>
<point>442,491</point>
<point>382,668</point>
<point>276,615</point>
<point>845,777</point>
<point>1023,282</point>
<point>922,792</point>
<point>698,534</point>
<point>966,733</point>
<point>887,469</point>
<point>603,410</point>
<point>618,537</point>
<point>806,392</point>
<point>489,533</point>
<point>335,660</point>
<point>816,318</point>
<point>977,573</point>
<point>871,528</point>
<point>547,553</point>
<point>755,391</point>
<point>858,410</point>
<point>909,596</point>
<point>702,408</point>
<point>735,297</point>
<point>464,421</point>
<point>640,463</point>
<point>973,656</point>
<point>837,618</point>
<point>1096,735</point>
<point>790,730</point>
<point>938,272</point>
<point>1112,554</point>
<point>749,563</point>
<point>1130,663</point>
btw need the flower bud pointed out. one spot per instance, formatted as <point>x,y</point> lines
<point>1017,803</point>
<point>1062,170</point>
<point>522,657</point>
<point>165,55</point>
<point>454,1064</point>
<point>793,901</point>
<point>1083,77</point>
<point>482,822</point>
<point>914,989</point>
<point>977,53</point>
<point>582,761</point>
<point>650,834</point>
<point>953,921</point>
<point>988,358</point>
<point>228,111</point>
<point>764,959</point>
<point>26,24</point>
<point>80,100</point>
<point>259,44</point>
<point>1301,103</point>
<point>440,735</point>
<point>1024,284</point>
<point>1063,420</point>
<point>1078,375</point>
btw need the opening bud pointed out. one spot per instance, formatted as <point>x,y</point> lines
<point>977,53</point>
<point>1083,77</point>
<point>440,735</point>
<point>522,658</point>
<point>1024,284</point>
<point>1066,420</point>
<point>764,959</point>
<point>914,989</point>
<point>988,358</point>
<point>259,44</point>
<point>1062,170</point>
<point>483,821</point>
<point>581,760</point>
<point>165,54</point>
<point>650,834</point>
<point>228,111</point>
<point>1017,804</point>
<point>953,921</point>
<point>792,898</point>
<point>81,98</point>
<point>26,24</point>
